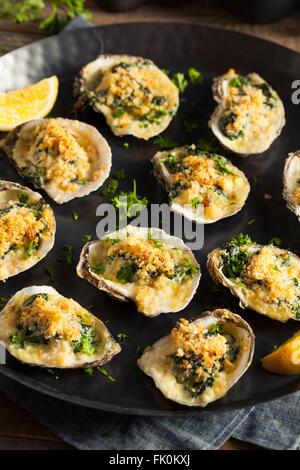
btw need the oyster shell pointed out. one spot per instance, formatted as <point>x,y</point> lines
<point>264,278</point>
<point>82,156</point>
<point>158,361</point>
<point>206,179</point>
<point>249,116</point>
<point>291,182</point>
<point>133,94</point>
<point>42,328</point>
<point>27,227</point>
<point>153,269</point>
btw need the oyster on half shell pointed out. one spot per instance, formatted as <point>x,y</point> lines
<point>27,229</point>
<point>132,93</point>
<point>66,158</point>
<point>153,269</point>
<point>265,278</point>
<point>42,328</point>
<point>291,182</point>
<point>200,360</point>
<point>249,116</point>
<point>202,186</point>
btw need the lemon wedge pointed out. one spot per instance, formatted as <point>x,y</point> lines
<point>286,359</point>
<point>31,102</point>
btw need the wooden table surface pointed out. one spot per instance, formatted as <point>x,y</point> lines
<point>18,430</point>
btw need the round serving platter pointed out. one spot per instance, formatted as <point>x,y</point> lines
<point>175,47</point>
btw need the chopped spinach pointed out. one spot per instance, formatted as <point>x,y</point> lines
<point>173,164</point>
<point>176,189</point>
<point>221,166</point>
<point>182,270</point>
<point>30,300</point>
<point>240,81</point>
<point>126,273</point>
<point>23,198</point>
<point>234,259</point>
<point>224,122</point>
<point>271,100</point>
<point>87,342</point>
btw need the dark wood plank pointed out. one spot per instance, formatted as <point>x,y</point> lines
<point>14,443</point>
<point>284,32</point>
<point>235,444</point>
<point>16,422</point>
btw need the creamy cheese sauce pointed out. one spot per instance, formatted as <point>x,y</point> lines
<point>57,156</point>
<point>269,280</point>
<point>201,178</point>
<point>24,227</point>
<point>136,97</point>
<point>251,109</point>
<point>153,273</point>
<point>48,330</point>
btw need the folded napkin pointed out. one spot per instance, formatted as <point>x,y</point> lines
<point>274,425</point>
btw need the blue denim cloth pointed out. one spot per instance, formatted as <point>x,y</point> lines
<point>274,425</point>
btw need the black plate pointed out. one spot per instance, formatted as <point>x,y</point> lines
<point>175,47</point>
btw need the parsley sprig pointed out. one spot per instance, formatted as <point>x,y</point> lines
<point>132,205</point>
<point>67,261</point>
<point>62,12</point>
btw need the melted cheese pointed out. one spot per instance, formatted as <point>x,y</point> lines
<point>250,114</point>
<point>270,283</point>
<point>204,183</point>
<point>58,320</point>
<point>54,155</point>
<point>53,317</point>
<point>19,228</point>
<point>136,98</point>
<point>188,339</point>
<point>253,114</point>
<point>152,285</point>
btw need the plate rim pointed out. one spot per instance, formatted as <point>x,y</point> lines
<point>118,409</point>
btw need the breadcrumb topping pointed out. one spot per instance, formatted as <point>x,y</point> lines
<point>190,341</point>
<point>296,195</point>
<point>276,271</point>
<point>61,158</point>
<point>147,257</point>
<point>20,226</point>
<point>53,317</point>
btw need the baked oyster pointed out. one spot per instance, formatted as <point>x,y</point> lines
<point>42,328</point>
<point>27,229</point>
<point>132,93</point>
<point>66,158</point>
<point>153,269</point>
<point>200,360</point>
<point>291,182</point>
<point>264,277</point>
<point>194,178</point>
<point>250,114</point>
